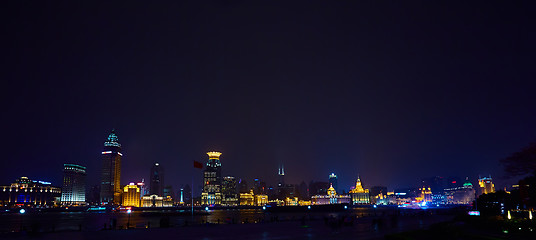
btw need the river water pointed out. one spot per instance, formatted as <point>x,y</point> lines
<point>94,221</point>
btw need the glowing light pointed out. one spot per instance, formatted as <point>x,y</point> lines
<point>474,213</point>
<point>107,152</point>
<point>308,207</point>
<point>22,211</point>
<point>375,206</point>
<point>213,155</point>
<point>509,216</point>
<point>530,215</point>
<point>206,208</point>
<point>263,207</point>
<point>345,207</point>
<point>129,211</point>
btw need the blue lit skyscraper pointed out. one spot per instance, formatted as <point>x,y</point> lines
<point>73,191</point>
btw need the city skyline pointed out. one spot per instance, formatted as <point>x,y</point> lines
<point>156,185</point>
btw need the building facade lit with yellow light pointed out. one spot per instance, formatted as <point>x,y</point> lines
<point>247,199</point>
<point>359,194</point>
<point>425,195</point>
<point>331,198</point>
<point>156,201</point>
<point>212,180</point>
<point>261,199</point>
<point>131,195</point>
<point>486,185</point>
<point>291,201</point>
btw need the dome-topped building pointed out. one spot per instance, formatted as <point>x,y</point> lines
<point>359,194</point>
<point>331,198</point>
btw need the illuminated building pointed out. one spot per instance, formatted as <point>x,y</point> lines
<point>73,191</point>
<point>212,181</point>
<point>111,171</point>
<point>276,202</point>
<point>156,201</point>
<point>157,180</point>
<point>359,194</point>
<point>143,188</point>
<point>229,195</point>
<point>181,201</point>
<point>26,192</point>
<point>486,185</point>
<point>247,199</point>
<point>461,195</point>
<point>333,181</point>
<point>304,203</point>
<point>425,195</point>
<point>375,192</point>
<point>281,176</point>
<point>291,201</point>
<point>284,190</point>
<point>261,199</point>
<point>330,198</point>
<point>131,195</point>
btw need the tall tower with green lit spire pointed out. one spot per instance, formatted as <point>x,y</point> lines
<point>110,192</point>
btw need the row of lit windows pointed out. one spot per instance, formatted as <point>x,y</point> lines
<point>31,190</point>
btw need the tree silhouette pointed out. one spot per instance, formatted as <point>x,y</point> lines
<point>521,163</point>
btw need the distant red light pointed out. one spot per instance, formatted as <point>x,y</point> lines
<point>453,181</point>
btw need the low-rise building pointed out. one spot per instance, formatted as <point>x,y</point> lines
<point>156,201</point>
<point>131,195</point>
<point>331,198</point>
<point>26,192</point>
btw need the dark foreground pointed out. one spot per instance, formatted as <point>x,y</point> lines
<point>328,228</point>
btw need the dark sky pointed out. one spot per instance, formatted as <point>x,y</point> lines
<point>392,91</point>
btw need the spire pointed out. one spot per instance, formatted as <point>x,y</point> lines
<point>281,170</point>
<point>112,140</point>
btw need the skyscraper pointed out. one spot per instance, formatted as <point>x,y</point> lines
<point>111,171</point>
<point>281,176</point>
<point>73,191</point>
<point>212,180</point>
<point>333,181</point>
<point>157,180</point>
<point>229,194</point>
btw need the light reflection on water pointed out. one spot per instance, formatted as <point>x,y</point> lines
<point>93,221</point>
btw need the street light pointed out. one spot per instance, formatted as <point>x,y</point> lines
<point>128,222</point>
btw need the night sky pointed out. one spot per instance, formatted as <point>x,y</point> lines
<point>392,91</point>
